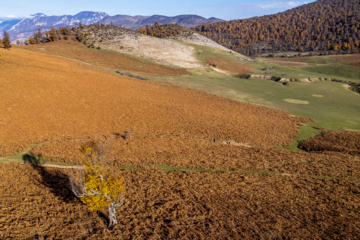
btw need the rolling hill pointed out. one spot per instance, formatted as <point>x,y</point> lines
<point>197,163</point>
<point>325,25</point>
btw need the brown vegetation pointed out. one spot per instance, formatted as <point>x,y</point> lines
<point>181,205</point>
<point>319,26</point>
<point>59,104</point>
<point>109,59</point>
<point>49,98</point>
<point>338,141</point>
<point>164,30</point>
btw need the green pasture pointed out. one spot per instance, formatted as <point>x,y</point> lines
<point>330,104</point>
<point>319,66</point>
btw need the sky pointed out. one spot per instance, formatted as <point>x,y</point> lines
<point>224,9</point>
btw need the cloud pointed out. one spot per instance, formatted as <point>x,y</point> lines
<point>10,16</point>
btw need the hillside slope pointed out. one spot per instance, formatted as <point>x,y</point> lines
<point>66,98</point>
<point>195,165</point>
<point>325,25</point>
<point>169,51</point>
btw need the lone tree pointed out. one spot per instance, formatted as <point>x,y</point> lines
<point>96,186</point>
<point>6,40</point>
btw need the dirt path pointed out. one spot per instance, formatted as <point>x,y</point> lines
<point>61,166</point>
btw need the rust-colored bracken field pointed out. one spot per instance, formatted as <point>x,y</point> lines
<point>182,205</point>
<point>46,98</point>
<point>337,141</point>
<point>226,180</point>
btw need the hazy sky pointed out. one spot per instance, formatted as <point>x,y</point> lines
<point>225,9</point>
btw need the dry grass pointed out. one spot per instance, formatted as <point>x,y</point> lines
<point>63,103</point>
<point>47,98</point>
<point>338,141</point>
<point>116,61</point>
<point>181,205</point>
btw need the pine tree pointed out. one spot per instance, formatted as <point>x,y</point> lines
<point>6,40</point>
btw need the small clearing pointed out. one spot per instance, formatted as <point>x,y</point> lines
<point>296,101</point>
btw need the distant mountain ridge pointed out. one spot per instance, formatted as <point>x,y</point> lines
<point>135,22</point>
<point>22,29</point>
<point>6,25</point>
<point>25,28</point>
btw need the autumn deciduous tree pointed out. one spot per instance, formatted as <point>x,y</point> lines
<point>96,186</point>
<point>322,26</point>
<point>31,41</point>
<point>6,40</point>
<point>53,36</point>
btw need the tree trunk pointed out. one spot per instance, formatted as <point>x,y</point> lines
<point>112,215</point>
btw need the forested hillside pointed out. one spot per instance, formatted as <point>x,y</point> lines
<point>325,25</point>
<point>164,30</point>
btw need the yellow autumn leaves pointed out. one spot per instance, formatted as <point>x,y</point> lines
<point>101,186</point>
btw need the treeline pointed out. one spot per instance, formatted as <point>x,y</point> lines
<point>164,30</point>
<point>49,36</point>
<point>325,25</point>
<point>74,33</point>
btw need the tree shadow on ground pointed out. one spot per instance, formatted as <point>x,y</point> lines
<point>54,179</point>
